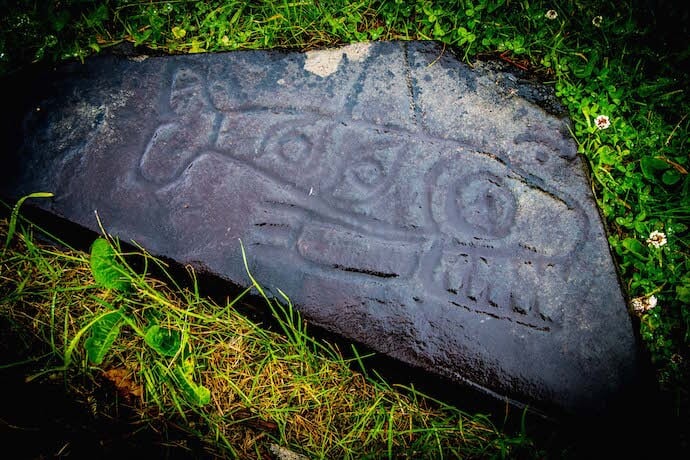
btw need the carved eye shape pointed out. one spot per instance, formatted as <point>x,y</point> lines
<point>294,146</point>
<point>290,146</point>
<point>484,203</point>
<point>368,177</point>
<point>368,173</point>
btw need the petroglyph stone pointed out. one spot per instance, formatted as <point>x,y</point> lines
<point>402,199</point>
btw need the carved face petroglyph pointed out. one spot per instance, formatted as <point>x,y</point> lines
<point>352,198</point>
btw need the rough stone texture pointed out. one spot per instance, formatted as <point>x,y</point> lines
<point>400,198</point>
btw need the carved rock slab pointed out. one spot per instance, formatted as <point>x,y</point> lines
<point>400,198</point>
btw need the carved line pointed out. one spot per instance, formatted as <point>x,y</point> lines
<point>343,218</point>
<point>504,317</point>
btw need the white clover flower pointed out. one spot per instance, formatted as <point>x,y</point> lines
<point>596,21</point>
<point>642,305</point>
<point>551,14</point>
<point>602,122</point>
<point>651,302</point>
<point>656,239</point>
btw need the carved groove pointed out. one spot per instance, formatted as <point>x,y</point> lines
<point>464,232</point>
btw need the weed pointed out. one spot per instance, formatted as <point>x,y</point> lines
<point>227,379</point>
<point>603,59</point>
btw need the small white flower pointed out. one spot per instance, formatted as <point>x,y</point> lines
<point>642,305</point>
<point>651,302</point>
<point>596,21</point>
<point>656,239</point>
<point>551,14</point>
<point>602,122</point>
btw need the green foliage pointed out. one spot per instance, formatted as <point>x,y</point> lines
<point>606,59</point>
<point>32,32</point>
<point>640,168</point>
<point>106,270</point>
<point>14,216</point>
<point>183,375</point>
<point>165,341</point>
<point>105,329</point>
<point>104,332</point>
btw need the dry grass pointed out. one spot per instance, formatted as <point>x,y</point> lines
<point>266,388</point>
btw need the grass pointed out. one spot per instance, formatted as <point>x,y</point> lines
<point>239,387</point>
<point>627,62</point>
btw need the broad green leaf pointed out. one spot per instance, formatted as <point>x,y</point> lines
<point>683,293</point>
<point>650,166</point>
<point>104,332</point>
<point>196,394</point>
<point>625,221</point>
<point>438,30</point>
<point>640,226</point>
<point>165,341</point>
<point>671,177</point>
<point>607,155</point>
<point>633,246</point>
<point>178,32</point>
<point>107,271</point>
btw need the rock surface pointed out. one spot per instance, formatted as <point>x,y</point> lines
<point>399,197</point>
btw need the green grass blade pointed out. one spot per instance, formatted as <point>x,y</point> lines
<point>15,214</point>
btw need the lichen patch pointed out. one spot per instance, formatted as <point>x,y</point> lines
<point>325,62</point>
